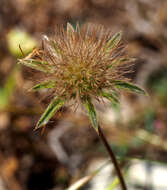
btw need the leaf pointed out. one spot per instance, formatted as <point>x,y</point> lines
<point>129,86</point>
<point>48,84</point>
<point>38,65</point>
<point>114,41</point>
<point>91,112</point>
<point>81,182</point>
<point>110,97</point>
<point>113,184</point>
<point>53,107</point>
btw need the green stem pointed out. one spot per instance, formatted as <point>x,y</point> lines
<point>113,158</point>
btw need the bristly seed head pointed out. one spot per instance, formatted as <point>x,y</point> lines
<point>80,64</point>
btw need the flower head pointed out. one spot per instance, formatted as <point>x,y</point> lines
<point>80,64</point>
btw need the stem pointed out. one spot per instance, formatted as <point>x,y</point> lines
<point>113,158</point>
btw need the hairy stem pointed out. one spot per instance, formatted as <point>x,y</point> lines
<point>113,158</point>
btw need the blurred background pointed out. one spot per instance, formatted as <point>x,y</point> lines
<point>69,149</point>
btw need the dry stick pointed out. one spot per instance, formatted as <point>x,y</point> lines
<point>113,158</point>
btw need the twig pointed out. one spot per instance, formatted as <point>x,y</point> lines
<point>113,158</point>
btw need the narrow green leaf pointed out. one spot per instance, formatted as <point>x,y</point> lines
<point>81,182</point>
<point>111,97</point>
<point>48,84</point>
<point>92,112</point>
<point>114,41</point>
<point>54,106</point>
<point>113,184</point>
<point>38,65</point>
<point>129,86</point>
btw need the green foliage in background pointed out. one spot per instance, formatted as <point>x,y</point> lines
<point>7,90</point>
<point>18,37</point>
